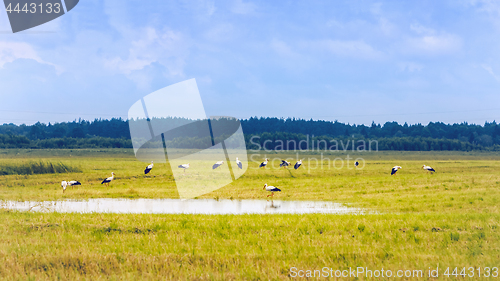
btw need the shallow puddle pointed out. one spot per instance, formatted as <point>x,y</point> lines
<point>178,206</point>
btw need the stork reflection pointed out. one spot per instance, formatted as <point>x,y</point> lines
<point>271,207</point>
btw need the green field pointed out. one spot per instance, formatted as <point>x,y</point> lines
<point>447,219</point>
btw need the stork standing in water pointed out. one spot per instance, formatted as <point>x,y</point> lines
<point>238,163</point>
<point>216,165</point>
<point>428,168</point>
<point>263,164</point>
<point>297,165</point>
<point>395,169</point>
<point>184,166</point>
<point>271,189</point>
<point>284,163</point>
<point>148,168</point>
<point>108,180</point>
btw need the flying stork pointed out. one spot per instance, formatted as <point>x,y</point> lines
<point>148,168</point>
<point>271,189</point>
<point>297,165</point>
<point>284,163</point>
<point>428,168</point>
<point>184,166</point>
<point>263,164</point>
<point>238,163</point>
<point>395,169</point>
<point>108,180</point>
<point>216,165</point>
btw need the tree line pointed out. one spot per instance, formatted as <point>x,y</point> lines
<point>278,132</point>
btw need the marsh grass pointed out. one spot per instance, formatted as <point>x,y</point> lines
<point>447,219</point>
<point>36,168</point>
<point>246,247</point>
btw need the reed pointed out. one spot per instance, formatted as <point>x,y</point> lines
<point>37,168</point>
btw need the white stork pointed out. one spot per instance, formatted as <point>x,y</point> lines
<point>238,163</point>
<point>297,165</point>
<point>108,180</point>
<point>284,163</point>
<point>148,168</point>
<point>184,166</point>
<point>395,169</point>
<point>428,168</point>
<point>263,164</point>
<point>217,164</point>
<point>64,184</point>
<point>71,183</point>
<point>271,189</point>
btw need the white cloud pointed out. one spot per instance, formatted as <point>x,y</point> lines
<point>282,48</point>
<point>220,32</point>
<point>11,51</point>
<point>422,30</point>
<point>351,49</point>
<point>168,48</point>
<point>376,8</point>
<point>490,71</point>
<point>434,44</point>
<point>386,26</point>
<point>428,41</point>
<point>490,7</point>
<point>203,8</point>
<point>243,8</point>
<point>210,8</point>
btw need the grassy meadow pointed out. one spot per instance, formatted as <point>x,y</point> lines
<point>448,219</point>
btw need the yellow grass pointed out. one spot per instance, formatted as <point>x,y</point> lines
<point>447,219</point>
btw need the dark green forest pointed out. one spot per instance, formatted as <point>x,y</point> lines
<point>269,133</point>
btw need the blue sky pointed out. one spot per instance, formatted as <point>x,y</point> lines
<point>351,61</point>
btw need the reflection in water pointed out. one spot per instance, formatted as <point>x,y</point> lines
<point>178,206</point>
<point>271,207</point>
